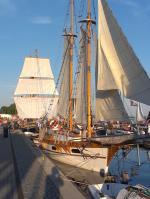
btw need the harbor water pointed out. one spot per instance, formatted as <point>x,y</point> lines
<point>138,174</point>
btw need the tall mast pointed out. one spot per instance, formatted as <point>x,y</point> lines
<point>71,40</point>
<point>89,69</point>
<point>89,22</point>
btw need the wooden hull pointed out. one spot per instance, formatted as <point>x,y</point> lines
<point>94,154</point>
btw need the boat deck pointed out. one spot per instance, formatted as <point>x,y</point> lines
<point>27,173</point>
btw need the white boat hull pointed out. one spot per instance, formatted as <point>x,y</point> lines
<point>108,190</point>
<point>95,159</point>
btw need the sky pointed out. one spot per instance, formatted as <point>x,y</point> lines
<point>26,25</point>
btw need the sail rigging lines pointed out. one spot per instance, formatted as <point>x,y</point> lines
<point>64,59</point>
<point>61,74</point>
<point>69,37</point>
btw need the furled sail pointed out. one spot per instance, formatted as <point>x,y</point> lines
<point>35,89</point>
<point>125,67</point>
<point>81,87</point>
<point>63,103</point>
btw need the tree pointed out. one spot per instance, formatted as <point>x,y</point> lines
<point>9,109</point>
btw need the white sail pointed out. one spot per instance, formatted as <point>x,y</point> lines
<point>139,114</point>
<point>81,90</point>
<point>35,89</point>
<point>109,106</point>
<point>104,75</point>
<point>125,67</point>
<point>35,107</point>
<point>36,67</point>
<point>63,103</point>
<point>35,86</point>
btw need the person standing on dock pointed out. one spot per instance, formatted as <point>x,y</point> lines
<point>5,128</point>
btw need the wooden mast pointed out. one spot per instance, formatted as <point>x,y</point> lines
<point>89,21</point>
<point>89,70</point>
<point>71,42</point>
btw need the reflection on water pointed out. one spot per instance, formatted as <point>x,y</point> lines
<point>81,175</point>
<point>138,174</point>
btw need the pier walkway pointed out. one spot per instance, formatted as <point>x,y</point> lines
<point>25,173</point>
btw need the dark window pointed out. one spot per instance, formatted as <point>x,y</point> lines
<point>75,151</point>
<point>53,148</point>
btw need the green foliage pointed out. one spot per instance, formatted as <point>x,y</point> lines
<point>8,109</point>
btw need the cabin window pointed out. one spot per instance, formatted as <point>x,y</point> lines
<point>54,148</point>
<point>75,151</point>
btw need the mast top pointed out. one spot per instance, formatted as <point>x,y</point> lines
<point>72,17</point>
<point>88,19</point>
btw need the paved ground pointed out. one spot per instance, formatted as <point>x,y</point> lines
<point>8,188</point>
<point>34,181</point>
<point>25,174</point>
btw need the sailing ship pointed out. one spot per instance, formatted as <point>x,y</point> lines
<point>35,89</point>
<point>118,72</point>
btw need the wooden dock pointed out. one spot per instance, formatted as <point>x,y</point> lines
<point>26,173</point>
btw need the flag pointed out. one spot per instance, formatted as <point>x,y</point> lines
<point>133,103</point>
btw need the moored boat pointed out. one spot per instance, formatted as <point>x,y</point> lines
<point>85,149</point>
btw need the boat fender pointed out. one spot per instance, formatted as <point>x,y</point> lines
<point>102,173</point>
<point>125,177</point>
<point>108,186</point>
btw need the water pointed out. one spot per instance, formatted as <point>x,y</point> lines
<point>138,174</point>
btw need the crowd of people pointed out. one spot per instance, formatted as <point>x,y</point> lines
<point>61,124</point>
<point>10,123</point>
<point>140,127</point>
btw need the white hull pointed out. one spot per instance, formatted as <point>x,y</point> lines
<point>134,192</point>
<point>109,190</point>
<point>96,162</point>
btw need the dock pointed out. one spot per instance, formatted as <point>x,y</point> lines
<point>26,173</point>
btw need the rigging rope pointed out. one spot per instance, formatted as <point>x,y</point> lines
<point>94,10</point>
<point>75,17</point>
<point>60,74</point>
<point>57,83</point>
<point>82,8</point>
<point>66,17</point>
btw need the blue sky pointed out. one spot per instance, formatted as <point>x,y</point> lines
<point>26,25</point>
